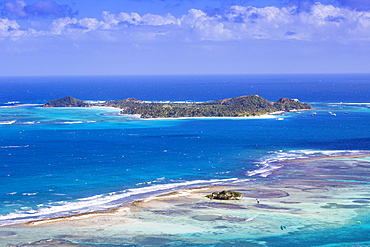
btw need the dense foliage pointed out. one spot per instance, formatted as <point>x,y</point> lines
<point>66,102</point>
<point>225,195</point>
<point>251,105</point>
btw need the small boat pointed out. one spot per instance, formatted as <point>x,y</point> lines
<point>280,118</point>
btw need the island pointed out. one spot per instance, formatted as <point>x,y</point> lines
<point>67,102</point>
<point>242,106</point>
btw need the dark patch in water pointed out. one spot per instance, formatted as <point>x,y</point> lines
<point>171,212</point>
<point>232,218</point>
<point>290,202</point>
<point>5,234</point>
<point>264,206</point>
<point>361,201</point>
<point>153,241</point>
<point>221,205</point>
<point>336,205</point>
<point>199,207</point>
<point>207,217</point>
<point>335,167</point>
<point>220,227</point>
<point>255,193</point>
<point>317,190</point>
<point>335,185</point>
<point>66,236</point>
<point>217,217</point>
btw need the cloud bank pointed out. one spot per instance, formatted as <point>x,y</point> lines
<point>305,21</point>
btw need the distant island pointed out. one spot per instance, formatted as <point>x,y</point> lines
<point>67,102</point>
<point>243,106</point>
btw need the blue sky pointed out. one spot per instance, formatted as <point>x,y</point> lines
<point>121,37</point>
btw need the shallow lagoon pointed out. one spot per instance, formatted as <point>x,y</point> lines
<point>319,204</point>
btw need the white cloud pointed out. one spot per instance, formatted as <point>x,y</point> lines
<point>135,19</point>
<point>11,29</point>
<point>321,15</point>
<point>69,25</point>
<point>7,25</point>
<point>204,26</point>
<point>326,22</point>
<point>266,23</point>
<point>319,23</point>
<point>257,15</point>
<point>157,20</point>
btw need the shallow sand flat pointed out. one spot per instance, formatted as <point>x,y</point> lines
<point>308,197</point>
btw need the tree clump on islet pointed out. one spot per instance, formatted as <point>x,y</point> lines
<point>225,195</point>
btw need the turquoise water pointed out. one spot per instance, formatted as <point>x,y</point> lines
<point>58,162</point>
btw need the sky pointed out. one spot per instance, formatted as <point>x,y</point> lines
<point>146,37</point>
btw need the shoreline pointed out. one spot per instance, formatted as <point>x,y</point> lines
<point>305,195</point>
<point>121,210</point>
<point>184,192</point>
<point>263,116</point>
<point>271,115</point>
<point>138,116</point>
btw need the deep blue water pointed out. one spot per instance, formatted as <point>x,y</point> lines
<point>62,161</point>
<point>312,88</point>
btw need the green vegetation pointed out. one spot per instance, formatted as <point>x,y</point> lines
<point>66,102</point>
<point>285,104</point>
<point>225,195</point>
<point>251,105</point>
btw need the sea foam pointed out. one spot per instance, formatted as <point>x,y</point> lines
<point>100,202</point>
<point>275,160</point>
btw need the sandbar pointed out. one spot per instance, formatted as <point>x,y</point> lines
<point>308,197</point>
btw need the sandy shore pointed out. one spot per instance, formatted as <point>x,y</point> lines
<point>306,196</point>
<point>264,116</point>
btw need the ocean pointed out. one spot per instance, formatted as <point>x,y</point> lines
<point>63,161</point>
